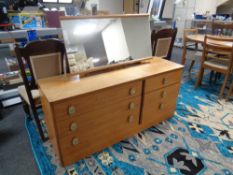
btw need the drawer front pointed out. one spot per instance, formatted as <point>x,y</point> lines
<point>101,117</point>
<point>159,105</point>
<point>96,131</point>
<point>91,102</point>
<point>157,82</point>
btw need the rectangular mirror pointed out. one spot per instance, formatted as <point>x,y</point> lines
<point>96,41</point>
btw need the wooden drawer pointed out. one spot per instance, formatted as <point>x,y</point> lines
<point>98,130</point>
<point>166,79</point>
<point>91,102</point>
<point>159,105</point>
<point>103,117</point>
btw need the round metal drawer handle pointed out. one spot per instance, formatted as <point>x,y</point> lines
<point>165,81</point>
<point>71,110</point>
<point>161,106</point>
<point>132,91</point>
<point>131,106</point>
<point>73,127</point>
<point>75,141</point>
<point>164,94</point>
<point>130,119</point>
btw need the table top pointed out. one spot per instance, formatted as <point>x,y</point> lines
<point>60,88</point>
<point>199,38</point>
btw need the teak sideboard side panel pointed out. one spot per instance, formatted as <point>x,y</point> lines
<point>83,121</point>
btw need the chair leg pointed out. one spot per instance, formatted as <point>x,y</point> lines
<point>223,86</point>
<point>217,77</point>
<point>191,65</point>
<point>183,59</point>
<point>200,77</point>
<point>26,108</point>
<point>211,77</point>
<point>230,91</point>
<point>38,124</point>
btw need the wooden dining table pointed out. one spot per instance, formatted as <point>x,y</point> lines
<point>200,39</point>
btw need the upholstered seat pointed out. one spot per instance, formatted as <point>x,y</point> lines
<point>216,64</point>
<point>35,95</point>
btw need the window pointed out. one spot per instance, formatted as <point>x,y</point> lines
<point>58,1</point>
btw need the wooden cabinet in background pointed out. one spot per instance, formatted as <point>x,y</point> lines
<point>86,115</point>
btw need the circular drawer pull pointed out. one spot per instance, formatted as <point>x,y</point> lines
<point>131,106</point>
<point>132,91</point>
<point>164,94</point>
<point>73,127</point>
<point>71,110</point>
<point>161,106</point>
<point>165,81</point>
<point>75,141</point>
<point>130,119</point>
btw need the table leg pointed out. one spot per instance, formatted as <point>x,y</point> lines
<point>184,53</point>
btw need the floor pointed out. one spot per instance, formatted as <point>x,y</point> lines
<point>16,156</point>
<point>15,151</point>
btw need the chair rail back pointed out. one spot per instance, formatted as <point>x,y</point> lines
<point>165,36</point>
<point>35,49</point>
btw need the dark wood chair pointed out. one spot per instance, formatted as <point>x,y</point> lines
<point>162,42</point>
<point>39,59</point>
<point>221,28</point>
<point>216,57</point>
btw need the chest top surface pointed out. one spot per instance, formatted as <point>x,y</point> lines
<point>60,88</point>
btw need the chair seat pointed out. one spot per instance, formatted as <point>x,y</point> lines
<point>35,95</point>
<point>217,64</point>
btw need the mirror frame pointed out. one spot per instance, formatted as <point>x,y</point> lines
<point>110,67</point>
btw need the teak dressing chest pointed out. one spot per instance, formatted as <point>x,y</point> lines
<point>84,116</point>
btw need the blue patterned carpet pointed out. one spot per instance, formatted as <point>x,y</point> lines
<point>198,139</point>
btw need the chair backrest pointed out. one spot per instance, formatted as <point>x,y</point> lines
<point>220,28</point>
<point>189,32</point>
<point>162,42</point>
<point>41,59</point>
<point>219,48</point>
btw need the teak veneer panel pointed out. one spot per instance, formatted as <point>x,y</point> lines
<point>100,117</point>
<point>59,88</point>
<point>103,16</point>
<point>163,80</point>
<point>152,113</point>
<point>101,102</point>
<point>94,101</point>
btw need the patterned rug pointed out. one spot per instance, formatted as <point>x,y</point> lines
<point>197,140</point>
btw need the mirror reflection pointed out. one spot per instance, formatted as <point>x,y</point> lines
<point>103,41</point>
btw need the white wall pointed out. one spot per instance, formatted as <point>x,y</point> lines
<point>113,6</point>
<point>206,5</point>
<point>115,43</point>
<point>168,10</point>
<point>183,12</point>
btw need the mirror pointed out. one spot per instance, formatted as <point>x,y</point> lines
<point>105,40</point>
